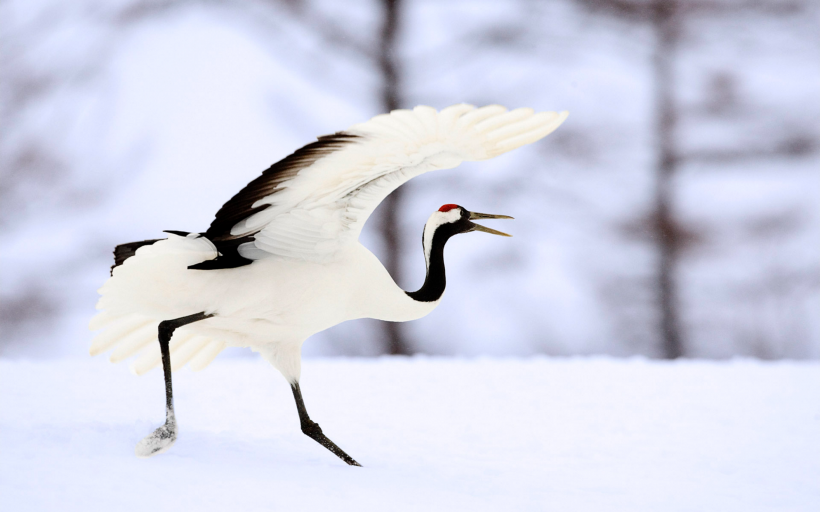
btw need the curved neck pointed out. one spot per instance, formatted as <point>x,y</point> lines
<point>436,280</point>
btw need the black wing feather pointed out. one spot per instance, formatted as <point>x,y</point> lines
<point>124,251</point>
<point>240,206</point>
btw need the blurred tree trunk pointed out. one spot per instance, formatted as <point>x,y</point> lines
<point>389,224</point>
<point>666,232</point>
<point>666,17</point>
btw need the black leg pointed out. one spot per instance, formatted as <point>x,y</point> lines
<point>314,431</point>
<point>162,438</point>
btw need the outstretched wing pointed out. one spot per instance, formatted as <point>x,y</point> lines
<point>316,201</point>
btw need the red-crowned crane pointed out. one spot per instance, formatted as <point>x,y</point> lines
<point>282,261</point>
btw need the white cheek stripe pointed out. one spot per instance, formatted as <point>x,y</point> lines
<point>437,219</point>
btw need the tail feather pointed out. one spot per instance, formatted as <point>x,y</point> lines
<point>115,332</point>
<point>204,357</point>
<point>148,359</point>
<point>131,335</point>
<point>102,319</point>
<point>187,351</point>
<point>134,342</point>
<point>183,348</point>
<point>146,290</point>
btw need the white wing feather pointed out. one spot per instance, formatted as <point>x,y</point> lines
<point>324,206</point>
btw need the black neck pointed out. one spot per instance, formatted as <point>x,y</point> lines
<point>436,280</point>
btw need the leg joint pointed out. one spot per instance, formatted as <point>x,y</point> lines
<point>167,327</point>
<point>311,429</point>
<point>166,330</point>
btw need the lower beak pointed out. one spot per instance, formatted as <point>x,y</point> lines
<point>477,227</point>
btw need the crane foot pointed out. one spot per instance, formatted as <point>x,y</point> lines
<point>158,441</point>
<point>314,431</point>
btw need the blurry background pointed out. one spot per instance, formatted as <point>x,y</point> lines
<point>675,213</point>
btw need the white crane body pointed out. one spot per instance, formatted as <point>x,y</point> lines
<point>271,306</point>
<point>282,261</point>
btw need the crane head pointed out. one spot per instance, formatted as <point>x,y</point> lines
<point>461,219</point>
<point>452,219</point>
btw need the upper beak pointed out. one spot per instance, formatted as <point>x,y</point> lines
<point>477,227</point>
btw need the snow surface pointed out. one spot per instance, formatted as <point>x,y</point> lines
<point>432,434</point>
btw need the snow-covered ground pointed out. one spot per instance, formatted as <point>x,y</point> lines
<point>431,433</point>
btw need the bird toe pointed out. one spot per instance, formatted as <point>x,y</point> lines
<point>157,442</point>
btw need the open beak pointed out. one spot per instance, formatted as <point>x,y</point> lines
<point>477,216</point>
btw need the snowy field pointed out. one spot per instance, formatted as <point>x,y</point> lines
<point>432,434</point>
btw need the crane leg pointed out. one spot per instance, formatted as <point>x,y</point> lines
<point>164,437</point>
<point>312,429</point>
